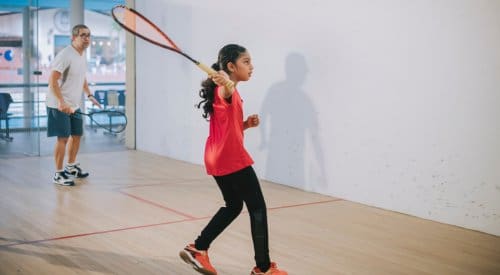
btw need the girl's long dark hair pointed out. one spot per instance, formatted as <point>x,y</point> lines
<point>228,53</point>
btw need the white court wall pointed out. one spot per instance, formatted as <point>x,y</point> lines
<point>390,103</point>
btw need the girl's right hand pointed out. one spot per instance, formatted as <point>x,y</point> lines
<point>220,78</point>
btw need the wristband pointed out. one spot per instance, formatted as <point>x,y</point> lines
<point>90,96</point>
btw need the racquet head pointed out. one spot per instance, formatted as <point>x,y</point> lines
<point>110,120</point>
<point>139,25</point>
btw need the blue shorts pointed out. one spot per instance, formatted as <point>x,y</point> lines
<point>63,125</point>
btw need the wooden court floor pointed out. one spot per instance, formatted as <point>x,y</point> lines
<point>137,210</point>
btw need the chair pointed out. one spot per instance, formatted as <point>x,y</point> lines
<point>121,99</point>
<point>102,97</point>
<point>110,100</point>
<point>5,101</point>
<point>112,97</point>
<point>115,101</point>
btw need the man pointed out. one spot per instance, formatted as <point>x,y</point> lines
<point>67,81</point>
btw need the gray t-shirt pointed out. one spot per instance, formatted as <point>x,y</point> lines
<point>73,68</point>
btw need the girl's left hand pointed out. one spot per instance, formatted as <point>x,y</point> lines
<point>252,121</point>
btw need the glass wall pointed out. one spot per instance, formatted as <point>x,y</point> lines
<point>30,38</point>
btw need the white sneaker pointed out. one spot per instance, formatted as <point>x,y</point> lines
<point>62,179</point>
<point>75,171</point>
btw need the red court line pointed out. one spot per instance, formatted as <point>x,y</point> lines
<point>303,204</point>
<point>157,205</point>
<point>190,218</point>
<point>97,232</point>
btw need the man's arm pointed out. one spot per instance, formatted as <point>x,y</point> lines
<point>86,88</point>
<point>89,94</point>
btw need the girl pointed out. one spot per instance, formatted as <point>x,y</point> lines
<point>230,164</point>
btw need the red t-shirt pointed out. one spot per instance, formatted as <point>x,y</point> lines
<point>224,150</point>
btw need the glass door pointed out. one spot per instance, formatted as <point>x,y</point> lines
<point>19,87</point>
<point>32,33</point>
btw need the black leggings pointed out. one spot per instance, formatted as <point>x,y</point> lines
<point>238,187</point>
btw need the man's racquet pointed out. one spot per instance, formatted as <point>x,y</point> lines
<point>137,24</point>
<point>110,120</point>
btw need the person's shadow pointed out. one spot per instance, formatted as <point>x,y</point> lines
<point>288,123</point>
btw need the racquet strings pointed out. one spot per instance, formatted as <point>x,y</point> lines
<point>141,26</point>
<point>110,120</point>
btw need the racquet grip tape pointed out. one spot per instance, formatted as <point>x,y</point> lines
<point>210,71</point>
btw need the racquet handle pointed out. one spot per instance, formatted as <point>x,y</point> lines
<point>210,71</point>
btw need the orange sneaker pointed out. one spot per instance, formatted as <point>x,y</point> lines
<point>273,270</point>
<point>198,259</point>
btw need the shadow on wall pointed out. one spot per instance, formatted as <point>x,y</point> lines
<point>288,122</point>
